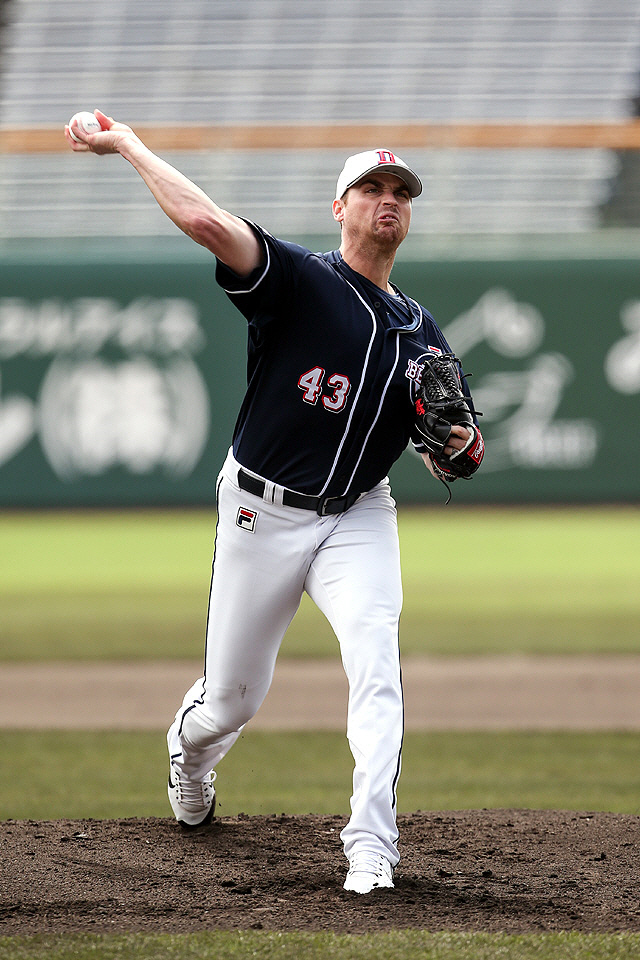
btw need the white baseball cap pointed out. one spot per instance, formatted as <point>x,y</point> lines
<point>360,164</point>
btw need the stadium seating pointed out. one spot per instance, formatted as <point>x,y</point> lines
<point>339,62</point>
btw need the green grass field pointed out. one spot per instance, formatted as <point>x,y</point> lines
<point>135,585</point>
<point>410,944</point>
<point>477,581</point>
<point>116,774</point>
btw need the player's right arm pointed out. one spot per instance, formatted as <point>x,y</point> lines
<point>230,239</point>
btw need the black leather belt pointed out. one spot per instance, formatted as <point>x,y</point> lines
<point>323,506</point>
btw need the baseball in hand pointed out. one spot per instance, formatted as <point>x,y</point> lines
<point>84,121</point>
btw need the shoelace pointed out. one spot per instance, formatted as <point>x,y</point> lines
<point>194,793</point>
<point>368,863</point>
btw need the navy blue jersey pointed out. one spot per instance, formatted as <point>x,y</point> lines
<point>333,363</point>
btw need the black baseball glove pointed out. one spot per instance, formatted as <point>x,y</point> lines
<point>440,404</point>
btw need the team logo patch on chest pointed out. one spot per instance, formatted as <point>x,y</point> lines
<point>247,519</point>
<point>414,367</point>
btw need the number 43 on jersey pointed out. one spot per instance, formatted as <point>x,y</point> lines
<point>312,385</point>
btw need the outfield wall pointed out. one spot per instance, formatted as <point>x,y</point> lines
<point>121,370</point>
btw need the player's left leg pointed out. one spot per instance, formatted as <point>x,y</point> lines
<point>256,586</point>
<point>355,580</point>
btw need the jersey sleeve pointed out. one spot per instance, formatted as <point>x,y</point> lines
<point>273,282</point>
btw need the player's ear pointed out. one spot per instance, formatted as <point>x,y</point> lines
<point>338,210</point>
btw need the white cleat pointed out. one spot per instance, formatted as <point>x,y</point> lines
<point>192,801</point>
<point>367,872</point>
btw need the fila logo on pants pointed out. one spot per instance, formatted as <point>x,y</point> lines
<point>247,519</point>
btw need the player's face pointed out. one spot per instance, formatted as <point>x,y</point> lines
<point>378,207</point>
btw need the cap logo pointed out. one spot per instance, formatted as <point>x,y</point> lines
<point>385,156</point>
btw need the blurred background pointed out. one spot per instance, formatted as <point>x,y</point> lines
<point>120,358</point>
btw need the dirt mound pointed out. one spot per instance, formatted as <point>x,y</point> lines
<point>495,870</point>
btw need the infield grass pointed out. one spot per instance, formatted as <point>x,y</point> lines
<point>262,945</point>
<point>120,775</point>
<point>134,585</point>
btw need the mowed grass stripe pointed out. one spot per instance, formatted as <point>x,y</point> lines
<point>134,585</point>
<point>264,945</point>
<point>107,775</point>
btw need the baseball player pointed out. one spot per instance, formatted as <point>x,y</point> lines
<point>303,501</point>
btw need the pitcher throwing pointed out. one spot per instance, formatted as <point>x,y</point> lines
<point>335,356</point>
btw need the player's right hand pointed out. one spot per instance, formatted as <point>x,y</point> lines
<point>107,141</point>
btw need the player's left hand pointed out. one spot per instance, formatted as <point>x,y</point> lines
<point>457,439</point>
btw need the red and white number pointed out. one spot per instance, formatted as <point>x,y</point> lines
<point>338,398</point>
<point>311,384</point>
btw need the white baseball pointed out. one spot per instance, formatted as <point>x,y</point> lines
<point>84,121</point>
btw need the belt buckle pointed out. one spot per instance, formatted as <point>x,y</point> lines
<point>323,506</point>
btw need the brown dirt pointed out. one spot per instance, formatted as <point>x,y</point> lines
<point>513,871</point>
<point>457,693</point>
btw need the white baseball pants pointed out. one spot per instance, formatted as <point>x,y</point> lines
<point>266,555</point>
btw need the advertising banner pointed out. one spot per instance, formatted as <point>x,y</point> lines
<point>120,378</point>
<point>553,348</point>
